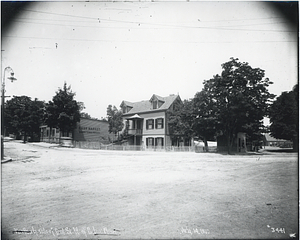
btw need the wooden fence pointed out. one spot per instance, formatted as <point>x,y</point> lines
<point>100,146</point>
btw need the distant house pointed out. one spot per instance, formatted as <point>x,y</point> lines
<point>239,143</point>
<point>146,122</point>
<point>86,130</point>
<point>50,135</point>
<point>271,141</point>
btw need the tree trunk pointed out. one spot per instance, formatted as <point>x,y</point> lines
<point>205,144</point>
<point>229,143</point>
<point>50,135</point>
<point>25,136</point>
<point>295,144</point>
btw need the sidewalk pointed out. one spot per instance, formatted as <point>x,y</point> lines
<point>9,157</point>
<point>44,144</point>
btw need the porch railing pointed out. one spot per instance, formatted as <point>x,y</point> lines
<point>135,131</point>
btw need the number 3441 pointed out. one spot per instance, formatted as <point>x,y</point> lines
<point>278,230</point>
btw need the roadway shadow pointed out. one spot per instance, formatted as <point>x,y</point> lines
<point>281,150</point>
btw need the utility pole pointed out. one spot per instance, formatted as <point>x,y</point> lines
<point>12,78</point>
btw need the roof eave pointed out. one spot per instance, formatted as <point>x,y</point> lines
<point>143,112</point>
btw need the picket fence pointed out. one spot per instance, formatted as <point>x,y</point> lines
<point>100,146</point>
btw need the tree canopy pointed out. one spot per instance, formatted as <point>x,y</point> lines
<point>115,121</point>
<point>205,122</point>
<point>181,120</point>
<point>85,115</point>
<point>24,116</point>
<point>284,116</point>
<point>236,101</point>
<point>63,111</point>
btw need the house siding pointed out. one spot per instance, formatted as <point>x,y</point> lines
<point>155,132</point>
<point>153,116</point>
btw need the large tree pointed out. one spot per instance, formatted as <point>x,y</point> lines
<point>284,117</point>
<point>239,100</point>
<point>115,120</point>
<point>24,116</point>
<point>63,111</point>
<point>205,121</point>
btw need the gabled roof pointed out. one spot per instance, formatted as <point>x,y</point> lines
<point>126,103</point>
<point>146,106</point>
<point>135,116</point>
<point>269,138</point>
<point>154,96</point>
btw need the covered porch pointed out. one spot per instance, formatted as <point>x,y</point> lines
<point>134,127</point>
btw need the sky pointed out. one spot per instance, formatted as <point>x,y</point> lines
<point>114,51</point>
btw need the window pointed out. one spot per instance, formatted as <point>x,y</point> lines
<point>160,103</point>
<point>138,124</point>
<point>159,142</point>
<point>155,104</point>
<point>159,123</point>
<point>150,124</point>
<point>150,142</point>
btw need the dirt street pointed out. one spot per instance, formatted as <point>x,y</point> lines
<point>51,193</point>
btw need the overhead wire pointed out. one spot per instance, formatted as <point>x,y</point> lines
<point>137,23</point>
<point>158,24</point>
<point>136,41</point>
<point>140,25</point>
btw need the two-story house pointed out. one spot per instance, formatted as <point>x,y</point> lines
<point>146,122</point>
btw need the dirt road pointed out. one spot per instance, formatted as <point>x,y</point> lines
<point>51,193</point>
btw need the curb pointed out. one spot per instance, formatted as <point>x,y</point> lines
<point>6,160</point>
<point>44,146</point>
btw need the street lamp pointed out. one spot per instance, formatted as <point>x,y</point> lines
<point>12,78</point>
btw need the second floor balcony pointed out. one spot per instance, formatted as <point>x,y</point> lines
<point>137,132</point>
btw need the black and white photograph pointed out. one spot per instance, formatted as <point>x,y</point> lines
<point>149,119</point>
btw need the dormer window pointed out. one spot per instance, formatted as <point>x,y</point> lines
<point>155,104</point>
<point>126,106</point>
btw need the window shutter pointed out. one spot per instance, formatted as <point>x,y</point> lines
<point>155,123</point>
<point>162,123</point>
<point>147,125</point>
<point>155,141</point>
<point>162,141</point>
<point>147,141</point>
